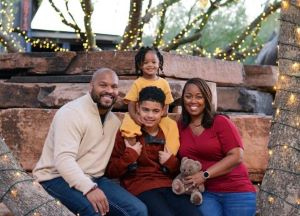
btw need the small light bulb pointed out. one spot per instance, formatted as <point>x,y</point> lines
<point>13,192</point>
<point>292,98</point>
<point>271,199</point>
<point>285,4</point>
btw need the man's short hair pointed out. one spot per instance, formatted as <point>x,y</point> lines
<point>152,93</point>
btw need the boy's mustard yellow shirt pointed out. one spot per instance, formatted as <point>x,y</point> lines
<point>141,83</point>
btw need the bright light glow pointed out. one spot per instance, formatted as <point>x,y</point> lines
<point>109,17</point>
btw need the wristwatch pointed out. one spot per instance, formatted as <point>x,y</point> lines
<point>205,175</point>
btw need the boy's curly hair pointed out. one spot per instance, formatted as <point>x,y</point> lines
<point>152,93</point>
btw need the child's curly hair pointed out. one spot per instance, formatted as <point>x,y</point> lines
<point>140,57</point>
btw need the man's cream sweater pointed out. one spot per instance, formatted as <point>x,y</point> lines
<point>78,145</point>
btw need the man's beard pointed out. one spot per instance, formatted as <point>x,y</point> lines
<point>97,99</point>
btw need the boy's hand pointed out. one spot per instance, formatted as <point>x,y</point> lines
<point>163,156</point>
<point>137,147</point>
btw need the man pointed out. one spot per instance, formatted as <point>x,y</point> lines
<point>77,150</point>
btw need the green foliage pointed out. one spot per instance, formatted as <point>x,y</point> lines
<point>223,27</point>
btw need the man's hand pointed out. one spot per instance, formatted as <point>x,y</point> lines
<point>163,156</point>
<point>137,147</point>
<point>98,200</point>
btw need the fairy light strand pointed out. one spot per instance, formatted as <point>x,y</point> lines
<point>279,197</point>
<point>11,186</point>
<point>287,78</point>
<point>39,206</point>
<point>20,178</point>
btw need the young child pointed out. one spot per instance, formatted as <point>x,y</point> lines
<point>148,62</point>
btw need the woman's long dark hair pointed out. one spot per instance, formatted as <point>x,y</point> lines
<point>140,58</point>
<point>209,112</point>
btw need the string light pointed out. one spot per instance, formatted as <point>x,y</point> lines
<point>270,152</point>
<point>289,119</point>
<point>203,3</point>
<point>292,98</point>
<point>285,4</point>
<point>296,67</point>
<point>14,193</point>
<point>12,189</point>
<point>271,199</point>
<point>297,31</point>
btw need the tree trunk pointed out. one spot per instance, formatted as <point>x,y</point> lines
<point>88,10</point>
<point>132,28</point>
<point>280,190</point>
<point>20,193</point>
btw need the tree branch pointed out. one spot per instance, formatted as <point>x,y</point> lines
<point>160,28</point>
<point>65,21</point>
<point>131,30</point>
<point>165,4</point>
<point>178,39</point>
<point>184,40</point>
<point>44,43</point>
<point>88,9</point>
<point>191,10</point>
<point>70,14</point>
<point>268,11</point>
<point>7,42</point>
<point>141,27</point>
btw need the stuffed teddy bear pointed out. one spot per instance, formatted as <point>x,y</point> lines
<point>188,167</point>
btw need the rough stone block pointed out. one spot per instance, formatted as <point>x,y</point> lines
<point>24,131</point>
<point>254,130</point>
<point>86,62</point>
<point>54,95</point>
<point>38,63</point>
<point>178,66</point>
<point>244,100</point>
<point>220,72</point>
<point>261,76</point>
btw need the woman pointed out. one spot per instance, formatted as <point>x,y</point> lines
<point>146,169</point>
<point>215,142</point>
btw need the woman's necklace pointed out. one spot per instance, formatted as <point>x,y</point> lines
<point>196,125</point>
<point>197,129</point>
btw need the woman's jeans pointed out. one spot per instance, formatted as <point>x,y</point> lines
<point>228,204</point>
<point>121,202</point>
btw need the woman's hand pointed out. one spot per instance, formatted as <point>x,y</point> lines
<point>195,180</point>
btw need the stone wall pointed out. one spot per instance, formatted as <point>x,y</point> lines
<point>34,85</point>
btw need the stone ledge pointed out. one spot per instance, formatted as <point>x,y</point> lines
<point>54,95</point>
<point>240,99</point>
<point>178,66</point>
<point>258,76</point>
